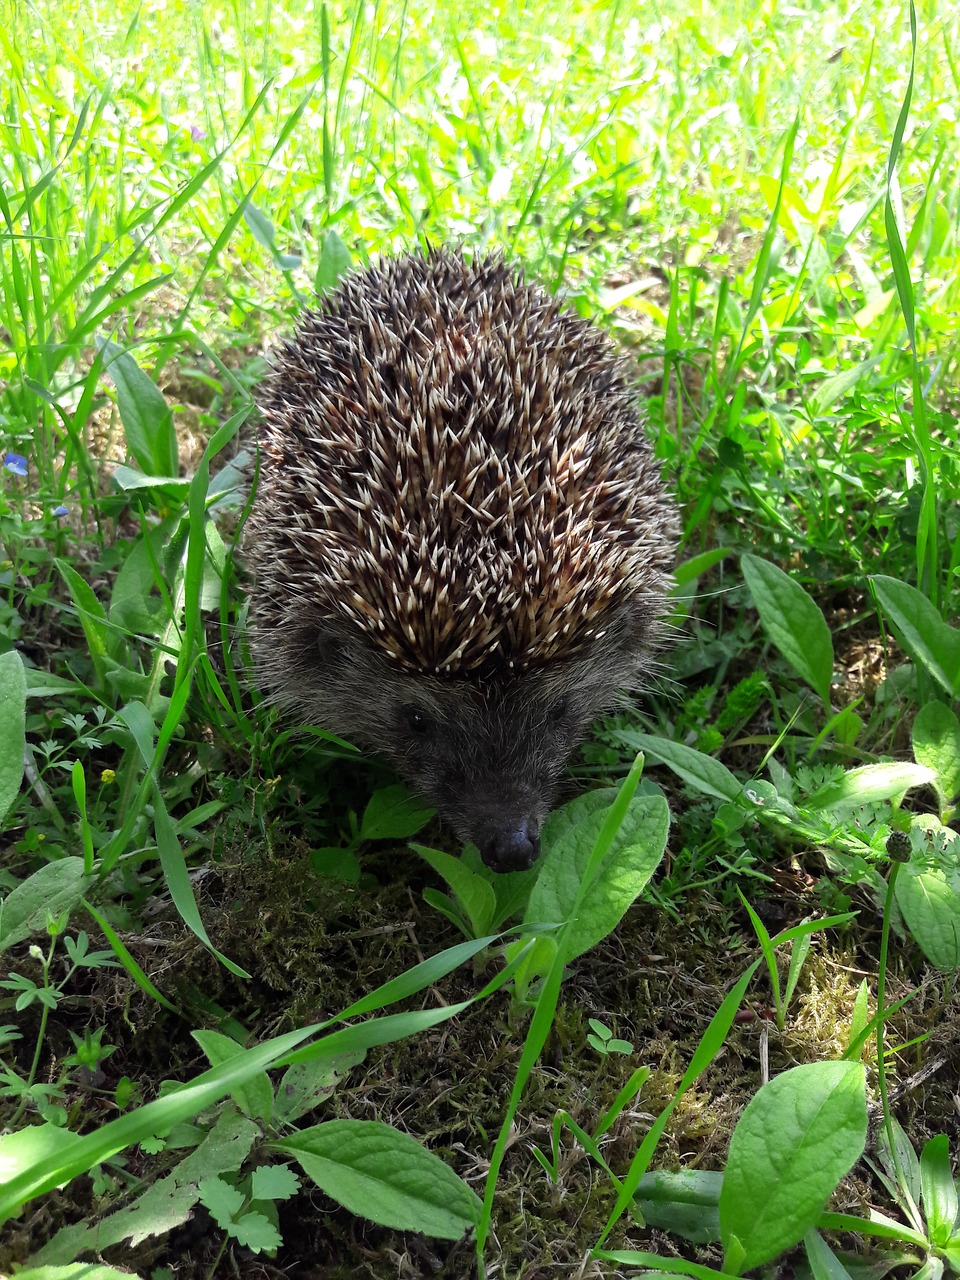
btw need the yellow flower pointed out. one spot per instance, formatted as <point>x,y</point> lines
<point>108,775</point>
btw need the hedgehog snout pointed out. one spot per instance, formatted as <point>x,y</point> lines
<point>512,848</point>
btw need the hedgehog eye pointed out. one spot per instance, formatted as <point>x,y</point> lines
<point>416,719</point>
<point>331,650</point>
<point>558,710</point>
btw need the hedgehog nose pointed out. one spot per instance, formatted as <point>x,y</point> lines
<point>512,848</point>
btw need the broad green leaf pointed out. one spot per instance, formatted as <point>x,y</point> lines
<point>921,630</point>
<point>129,479</point>
<point>261,228</point>
<point>133,604</point>
<point>146,416</point>
<point>512,888</point>
<point>386,1176</point>
<point>142,727</point>
<point>861,1013</point>
<point>334,263</point>
<point>476,895</point>
<point>793,622</point>
<point>901,1162</point>
<point>794,1142</point>
<point>102,642</point>
<point>936,744</point>
<point>699,770</point>
<point>830,390</point>
<point>685,1203</point>
<point>569,837</point>
<point>255,1096</point>
<point>305,1085</point>
<point>54,887</point>
<point>930,904</point>
<point>13,701</point>
<point>938,1189</point>
<point>690,570</point>
<point>870,783</point>
<point>393,814</point>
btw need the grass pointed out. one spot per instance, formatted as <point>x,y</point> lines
<point>762,203</point>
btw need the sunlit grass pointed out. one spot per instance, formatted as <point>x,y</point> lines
<point>600,145</point>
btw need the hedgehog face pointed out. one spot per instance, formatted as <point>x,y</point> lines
<point>487,753</point>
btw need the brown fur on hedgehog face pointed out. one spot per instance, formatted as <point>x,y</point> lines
<point>460,537</point>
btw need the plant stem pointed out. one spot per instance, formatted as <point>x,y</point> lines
<point>881,1015</point>
<point>44,1015</point>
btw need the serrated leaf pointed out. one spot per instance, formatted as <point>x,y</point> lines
<point>793,622</point>
<point>174,1108</point>
<point>569,836</point>
<point>870,783</point>
<point>169,1201</point>
<point>222,1200</point>
<point>921,630</point>
<point>146,416</point>
<point>393,814</point>
<point>794,1142</point>
<point>936,744</point>
<point>256,1232</point>
<point>273,1182</point>
<point>386,1176</point>
<point>13,703</point>
<point>166,1204</point>
<point>55,887</point>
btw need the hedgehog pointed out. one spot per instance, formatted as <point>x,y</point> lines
<point>460,541</point>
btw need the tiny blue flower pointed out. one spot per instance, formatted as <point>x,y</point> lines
<point>15,463</point>
<point>196,133</point>
<point>61,511</point>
